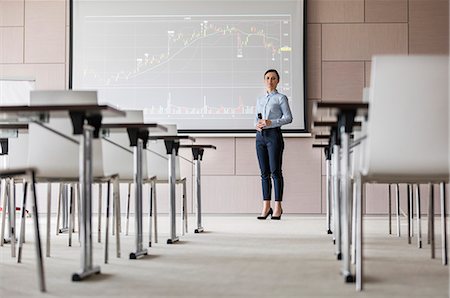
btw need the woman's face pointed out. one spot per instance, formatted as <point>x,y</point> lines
<point>271,81</point>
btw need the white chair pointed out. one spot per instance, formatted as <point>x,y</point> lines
<point>118,158</point>
<point>57,160</point>
<point>157,162</point>
<point>407,131</point>
<point>13,91</point>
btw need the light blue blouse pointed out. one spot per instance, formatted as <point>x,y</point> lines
<point>274,106</point>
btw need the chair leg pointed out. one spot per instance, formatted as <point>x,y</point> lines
<point>58,211</point>
<point>409,211</point>
<point>116,199</point>
<point>182,214</point>
<point>71,212</point>
<point>359,235</point>
<point>397,201</point>
<point>431,215</point>
<point>443,224</point>
<point>150,207</point>
<point>108,186</point>
<point>390,209</point>
<point>113,228</point>
<point>22,223</point>
<point>128,209</point>
<point>99,227</point>
<point>78,202</point>
<point>49,214</point>
<point>155,213</point>
<point>418,218</point>
<point>185,229</point>
<point>411,189</point>
<point>5,200</point>
<point>354,215</point>
<point>12,217</point>
<point>37,241</point>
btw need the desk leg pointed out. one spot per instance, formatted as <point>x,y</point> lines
<point>345,210</point>
<point>87,269</point>
<point>199,228</point>
<point>140,251</point>
<point>336,199</point>
<point>172,194</point>
<point>328,196</point>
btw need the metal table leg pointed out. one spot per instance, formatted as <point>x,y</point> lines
<point>197,164</point>
<point>140,251</point>
<point>336,199</point>
<point>172,193</point>
<point>345,206</point>
<point>328,194</point>
<point>87,268</point>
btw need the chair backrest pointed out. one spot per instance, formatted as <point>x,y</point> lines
<point>62,97</point>
<point>16,91</point>
<point>407,129</point>
<point>55,156</point>
<point>157,159</point>
<point>131,116</point>
<point>117,160</point>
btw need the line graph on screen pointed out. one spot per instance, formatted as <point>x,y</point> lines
<point>186,66</point>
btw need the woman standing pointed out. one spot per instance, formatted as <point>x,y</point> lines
<point>272,112</point>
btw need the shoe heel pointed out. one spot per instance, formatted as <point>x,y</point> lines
<point>267,215</point>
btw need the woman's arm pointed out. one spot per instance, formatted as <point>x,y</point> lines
<point>286,118</point>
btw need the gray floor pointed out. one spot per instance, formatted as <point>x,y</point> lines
<point>238,256</point>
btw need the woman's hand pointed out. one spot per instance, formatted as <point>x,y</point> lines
<point>263,123</point>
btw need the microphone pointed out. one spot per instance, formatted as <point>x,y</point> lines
<point>259,116</point>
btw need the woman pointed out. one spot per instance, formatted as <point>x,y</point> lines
<point>272,112</point>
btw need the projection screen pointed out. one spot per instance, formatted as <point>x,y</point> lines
<point>199,64</point>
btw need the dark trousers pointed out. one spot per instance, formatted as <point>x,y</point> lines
<point>269,148</point>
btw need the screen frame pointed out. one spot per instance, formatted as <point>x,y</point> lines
<point>212,131</point>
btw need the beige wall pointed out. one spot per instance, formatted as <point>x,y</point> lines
<point>342,35</point>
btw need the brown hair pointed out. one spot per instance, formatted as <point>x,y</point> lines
<point>274,71</point>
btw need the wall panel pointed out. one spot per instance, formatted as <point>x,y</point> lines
<point>386,11</point>
<point>343,81</point>
<point>11,12</point>
<point>335,11</point>
<point>48,76</point>
<point>11,45</point>
<point>314,65</point>
<point>362,41</point>
<point>428,26</point>
<point>45,31</point>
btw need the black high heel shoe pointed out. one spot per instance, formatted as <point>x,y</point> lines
<point>265,216</point>
<point>277,217</point>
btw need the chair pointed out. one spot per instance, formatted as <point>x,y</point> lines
<point>157,162</point>
<point>407,131</point>
<point>60,161</point>
<point>116,148</point>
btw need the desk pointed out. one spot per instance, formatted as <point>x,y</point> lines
<point>197,154</point>
<point>86,121</point>
<point>172,145</point>
<point>138,133</point>
<point>345,113</point>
